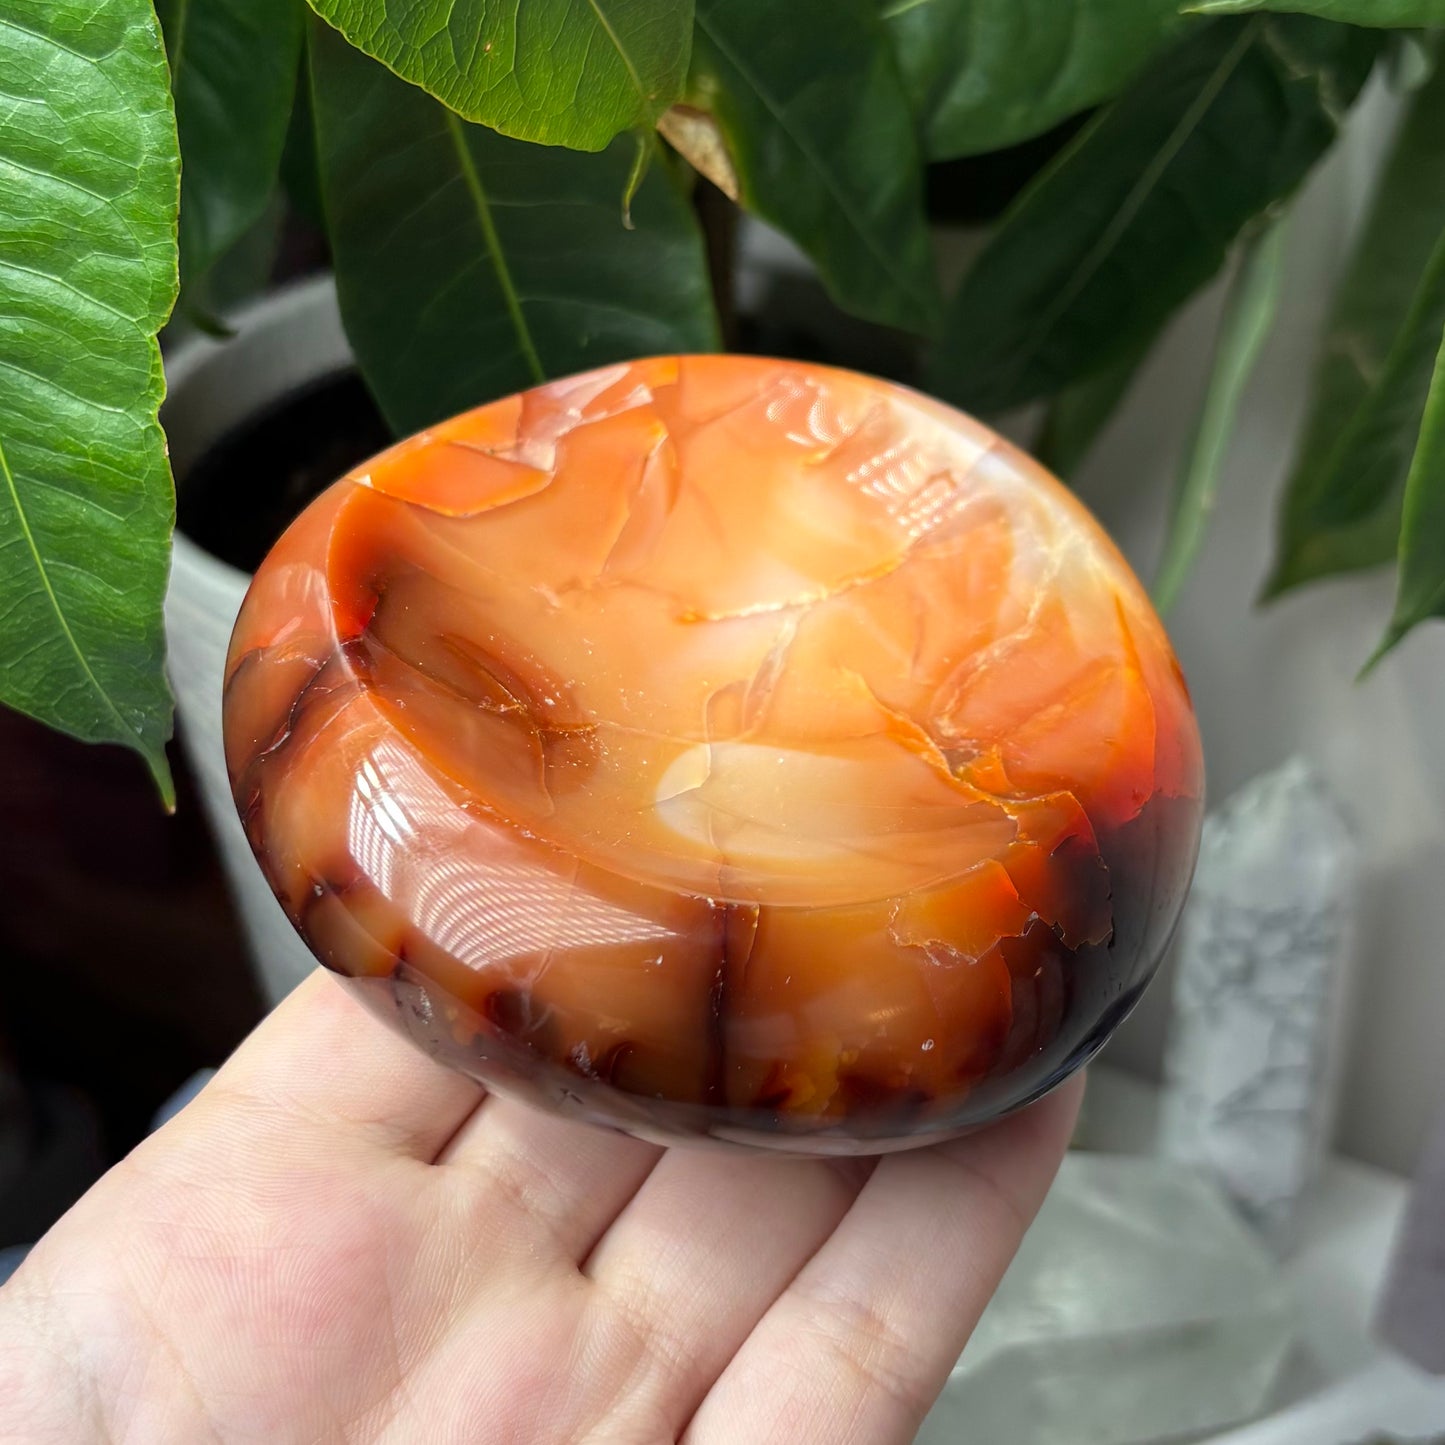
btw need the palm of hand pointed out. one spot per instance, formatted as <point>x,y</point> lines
<point>338,1241</point>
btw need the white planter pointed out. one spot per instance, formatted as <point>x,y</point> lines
<point>286,340</point>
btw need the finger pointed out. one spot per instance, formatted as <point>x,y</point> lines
<point>692,1264</point>
<point>322,1067</point>
<point>859,1345</point>
<point>548,1179</point>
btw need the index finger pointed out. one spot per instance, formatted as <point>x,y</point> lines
<point>323,1064</point>
<point>857,1348</point>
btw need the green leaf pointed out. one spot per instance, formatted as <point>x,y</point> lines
<point>1342,504</point>
<point>1081,411</point>
<point>233,73</point>
<point>1387,13</point>
<point>1141,210</point>
<point>89,186</point>
<point>1422,537</point>
<point>1249,312</point>
<point>300,175</point>
<point>813,116</point>
<point>1410,60</point>
<point>471,266</point>
<point>563,72</point>
<point>238,275</point>
<point>983,74</point>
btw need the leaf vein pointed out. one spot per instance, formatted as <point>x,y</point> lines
<point>494,248</point>
<point>8,22</point>
<point>70,286</point>
<point>1151,176</point>
<point>845,205</point>
<point>51,384</point>
<point>617,45</point>
<point>61,619</point>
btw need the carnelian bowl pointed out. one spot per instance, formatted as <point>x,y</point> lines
<point>714,747</point>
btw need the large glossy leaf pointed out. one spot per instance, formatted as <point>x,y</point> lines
<point>562,72</point>
<point>1355,12</point>
<point>983,74</point>
<point>1141,210</point>
<point>89,183</point>
<point>813,117</point>
<point>1422,537</point>
<point>1342,503</point>
<point>471,266</point>
<point>238,275</point>
<point>233,73</point>
<point>1249,312</point>
<point>1081,411</point>
<point>300,175</point>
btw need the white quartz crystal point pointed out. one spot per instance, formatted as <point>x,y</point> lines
<point>1140,1308</point>
<point>1255,1043</point>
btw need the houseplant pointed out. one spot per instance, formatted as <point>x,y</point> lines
<point>507,194</point>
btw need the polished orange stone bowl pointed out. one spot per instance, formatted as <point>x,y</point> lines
<point>718,747</point>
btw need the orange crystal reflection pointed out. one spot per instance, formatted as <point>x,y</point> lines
<point>715,745</point>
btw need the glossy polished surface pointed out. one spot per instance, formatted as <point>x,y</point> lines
<point>721,746</point>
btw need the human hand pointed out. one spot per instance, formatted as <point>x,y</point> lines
<point>340,1241</point>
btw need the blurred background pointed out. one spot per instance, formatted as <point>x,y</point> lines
<point>128,962</point>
